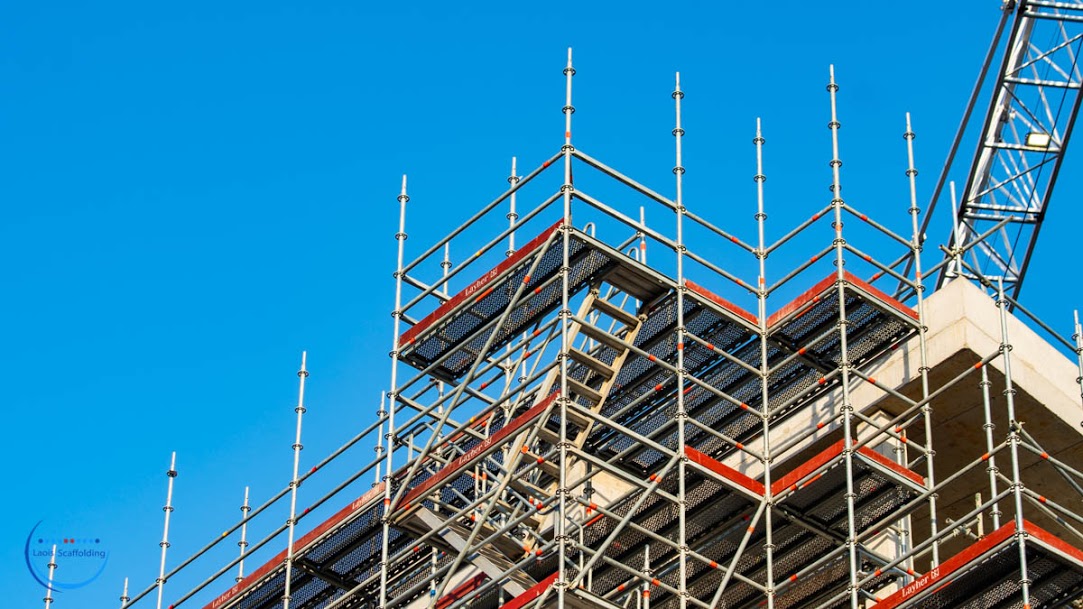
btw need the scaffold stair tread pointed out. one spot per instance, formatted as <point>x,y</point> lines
<point>640,285</point>
<point>525,487</point>
<point>594,364</point>
<point>576,417</point>
<point>617,313</point>
<point>548,435</point>
<point>545,465</point>
<point>583,390</point>
<point>602,336</point>
<point>506,544</point>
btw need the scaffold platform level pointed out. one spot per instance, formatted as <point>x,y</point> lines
<point>343,552</point>
<point>803,354</point>
<point>804,344</point>
<point>338,553</point>
<point>810,526</point>
<point>452,335</point>
<point>810,522</point>
<point>987,574</point>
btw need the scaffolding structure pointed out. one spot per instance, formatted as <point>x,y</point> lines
<point>579,428</point>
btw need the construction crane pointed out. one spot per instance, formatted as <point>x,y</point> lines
<point>1033,102</point>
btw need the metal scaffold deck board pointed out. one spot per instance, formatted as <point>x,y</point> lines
<point>452,334</point>
<point>803,349</point>
<point>351,536</point>
<point>986,575</point>
<point>720,507</point>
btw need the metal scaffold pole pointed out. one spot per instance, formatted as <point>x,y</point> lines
<point>1077,338</point>
<point>849,437</point>
<point>392,396</point>
<point>49,587</point>
<point>1014,438</point>
<point>765,406</point>
<point>294,482</point>
<point>513,179</point>
<point>565,344</point>
<point>923,365</point>
<point>168,509</point>
<point>991,465</point>
<point>381,414</point>
<point>243,543</point>
<point>682,415</point>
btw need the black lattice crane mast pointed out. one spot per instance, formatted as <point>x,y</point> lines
<point>1033,103</point>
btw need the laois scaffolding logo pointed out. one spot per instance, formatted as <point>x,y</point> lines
<point>79,559</point>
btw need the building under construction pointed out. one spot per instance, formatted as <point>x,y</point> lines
<point>593,422</point>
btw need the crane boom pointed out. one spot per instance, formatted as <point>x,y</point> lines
<point>1032,109</point>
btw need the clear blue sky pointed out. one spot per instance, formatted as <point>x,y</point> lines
<point>195,192</point>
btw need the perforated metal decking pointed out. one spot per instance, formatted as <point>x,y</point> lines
<point>986,575</point>
<point>810,524</point>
